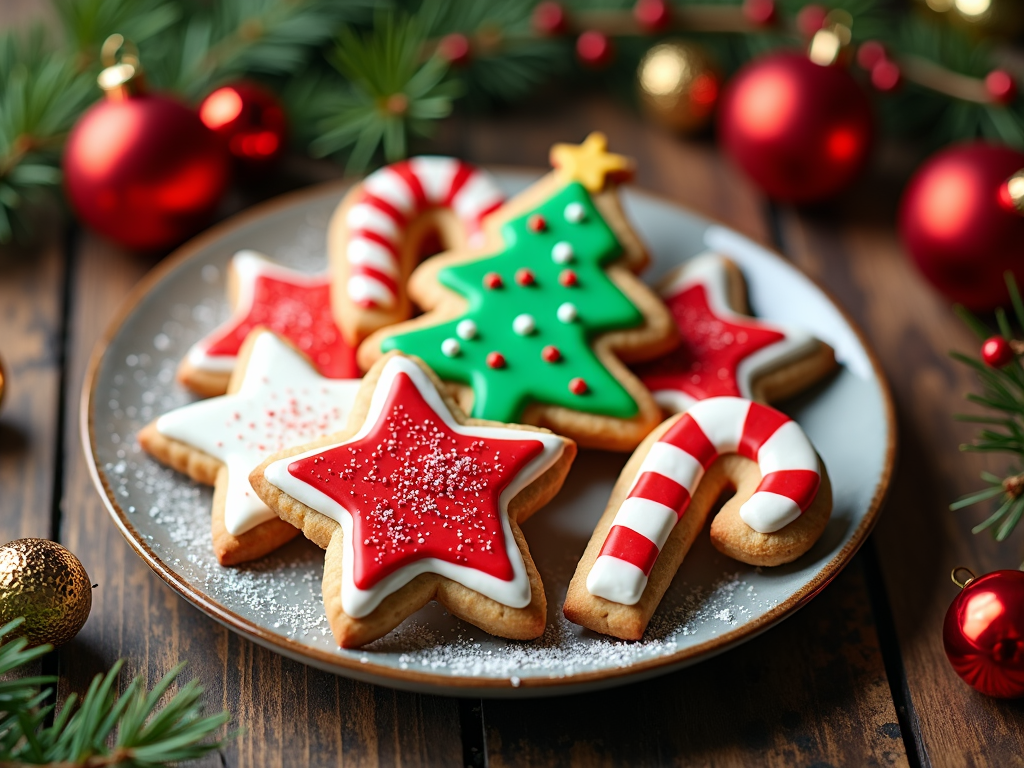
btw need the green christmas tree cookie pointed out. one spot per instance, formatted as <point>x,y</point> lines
<point>533,327</point>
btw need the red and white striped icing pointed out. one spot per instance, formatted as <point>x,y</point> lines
<point>672,470</point>
<point>394,195</point>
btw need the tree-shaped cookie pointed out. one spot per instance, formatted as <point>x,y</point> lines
<point>534,329</point>
<point>414,502</point>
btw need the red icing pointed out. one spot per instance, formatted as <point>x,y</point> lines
<point>664,490</point>
<point>301,312</point>
<point>492,280</point>
<point>626,544</point>
<point>525,276</point>
<point>495,360</point>
<point>568,278</point>
<point>706,363</point>
<point>762,422</point>
<point>536,223</point>
<point>578,386</point>
<point>417,489</point>
<point>551,354</point>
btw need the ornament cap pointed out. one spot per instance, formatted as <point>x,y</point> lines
<point>122,75</point>
<point>962,582</point>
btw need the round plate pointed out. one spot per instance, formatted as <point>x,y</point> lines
<point>714,602</point>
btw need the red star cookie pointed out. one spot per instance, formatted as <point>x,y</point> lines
<point>413,502</point>
<point>724,351</point>
<point>293,304</point>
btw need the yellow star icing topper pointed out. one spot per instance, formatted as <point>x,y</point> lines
<point>590,163</point>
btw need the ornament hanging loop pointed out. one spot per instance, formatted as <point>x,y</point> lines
<point>961,570</point>
<point>122,74</point>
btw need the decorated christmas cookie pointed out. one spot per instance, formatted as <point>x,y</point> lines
<point>781,505</point>
<point>293,304</point>
<point>380,231</point>
<point>724,351</point>
<point>534,328</point>
<point>414,501</point>
<point>276,399</point>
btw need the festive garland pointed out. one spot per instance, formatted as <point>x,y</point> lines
<point>392,75</point>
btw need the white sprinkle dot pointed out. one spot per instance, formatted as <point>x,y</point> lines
<point>562,252</point>
<point>524,325</point>
<point>466,329</point>
<point>451,347</point>
<point>575,213</point>
<point>567,312</point>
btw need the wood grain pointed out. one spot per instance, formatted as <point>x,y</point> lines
<point>31,317</point>
<point>853,249</point>
<point>809,692</point>
<point>292,714</point>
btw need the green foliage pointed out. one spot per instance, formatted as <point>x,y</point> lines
<point>104,728</point>
<point>1002,391</point>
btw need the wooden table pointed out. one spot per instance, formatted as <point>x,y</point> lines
<point>857,678</point>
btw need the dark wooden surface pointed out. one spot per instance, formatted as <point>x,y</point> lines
<point>857,678</point>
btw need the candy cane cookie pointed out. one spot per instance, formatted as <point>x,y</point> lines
<point>781,505</point>
<point>377,235</point>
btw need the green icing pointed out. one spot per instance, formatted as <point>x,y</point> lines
<point>501,394</point>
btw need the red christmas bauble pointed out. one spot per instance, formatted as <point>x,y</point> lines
<point>801,131</point>
<point>144,170</point>
<point>958,231</point>
<point>251,121</point>
<point>996,352</point>
<point>984,634</point>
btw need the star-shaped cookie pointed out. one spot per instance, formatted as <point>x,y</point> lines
<point>413,502</point>
<point>724,351</point>
<point>294,304</point>
<point>276,399</point>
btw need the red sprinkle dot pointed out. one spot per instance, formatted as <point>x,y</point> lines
<point>495,360</point>
<point>578,386</point>
<point>492,280</point>
<point>525,277</point>
<point>536,223</point>
<point>568,278</point>
<point>550,354</point>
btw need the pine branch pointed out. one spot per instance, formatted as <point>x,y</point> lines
<point>103,729</point>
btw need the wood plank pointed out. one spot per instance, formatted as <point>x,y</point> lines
<point>292,714</point>
<point>809,692</point>
<point>31,316</point>
<point>853,249</point>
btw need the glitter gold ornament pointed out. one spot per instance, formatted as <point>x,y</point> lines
<point>47,585</point>
<point>678,85</point>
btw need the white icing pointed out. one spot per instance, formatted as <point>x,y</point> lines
<point>722,420</point>
<point>674,463</point>
<point>466,329</point>
<point>480,193</point>
<point>709,270</point>
<point>648,518</point>
<point>365,252</point>
<point>392,188</point>
<point>359,602</point>
<point>524,324</point>
<point>372,218</point>
<point>451,347</point>
<point>616,580</point>
<point>435,174</point>
<point>567,312</point>
<point>220,426</point>
<point>248,266</point>
<point>788,448</point>
<point>767,512</point>
<point>562,252</point>
<point>365,288</point>
<point>575,213</point>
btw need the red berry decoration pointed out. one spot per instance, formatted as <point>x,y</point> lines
<point>810,19</point>
<point>578,386</point>
<point>1001,86</point>
<point>983,633</point>
<point>800,130</point>
<point>251,121</point>
<point>536,223</point>
<point>886,75</point>
<point>594,49</point>
<point>550,354</point>
<point>652,15</point>
<point>997,352</point>
<point>870,53</point>
<point>568,278</point>
<point>525,276</point>
<point>550,19</point>
<point>956,228</point>
<point>495,360</point>
<point>142,168</point>
<point>493,281</point>
<point>455,49</point>
<point>759,12</point>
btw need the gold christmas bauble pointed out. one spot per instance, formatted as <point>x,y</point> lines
<point>678,85</point>
<point>45,583</point>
